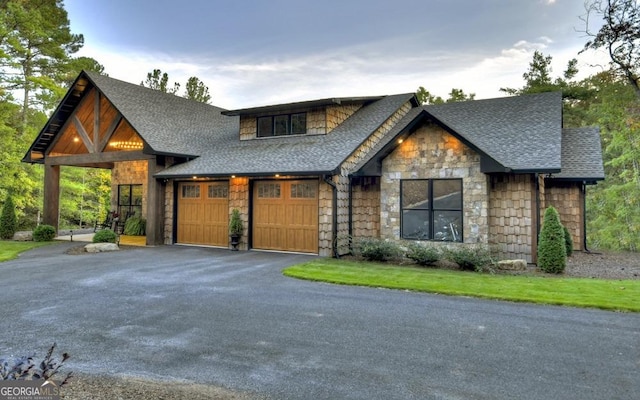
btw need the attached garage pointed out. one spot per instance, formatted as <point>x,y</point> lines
<point>203,213</point>
<point>285,215</point>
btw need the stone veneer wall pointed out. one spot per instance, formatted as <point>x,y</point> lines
<point>168,213</point>
<point>342,181</point>
<point>512,218</point>
<point>129,173</point>
<point>567,199</point>
<point>432,153</point>
<point>239,198</point>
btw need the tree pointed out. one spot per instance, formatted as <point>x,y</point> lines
<point>158,80</point>
<point>196,90</point>
<point>425,97</point>
<point>8,223</point>
<point>552,251</point>
<point>35,45</point>
<point>619,35</point>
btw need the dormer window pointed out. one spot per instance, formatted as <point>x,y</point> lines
<point>281,125</point>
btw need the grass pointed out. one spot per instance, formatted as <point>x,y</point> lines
<point>10,249</point>
<point>618,295</point>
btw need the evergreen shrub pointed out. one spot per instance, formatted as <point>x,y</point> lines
<point>104,236</point>
<point>552,248</point>
<point>470,258</point>
<point>44,233</point>
<point>373,249</point>
<point>8,220</point>
<point>568,241</point>
<point>424,255</point>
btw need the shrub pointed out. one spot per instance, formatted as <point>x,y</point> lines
<point>422,254</point>
<point>373,249</point>
<point>8,220</point>
<point>135,226</point>
<point>24,368</point>
<point>568,241</point>
<point>470,258</point>
<point>235,223</point>
<point>552,249</point>
<point>104,236</point>
<point>44,233</point>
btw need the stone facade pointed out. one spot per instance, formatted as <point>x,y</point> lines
<point>567,198</point>
<point>512,216</point>
<point>432,153</point>
<point>239,198</point>
<point>129,173</point>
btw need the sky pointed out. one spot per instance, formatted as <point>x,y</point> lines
<point>251,52</point>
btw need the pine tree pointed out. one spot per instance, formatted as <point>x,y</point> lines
<point>552,251</point>
<point>8,221</point>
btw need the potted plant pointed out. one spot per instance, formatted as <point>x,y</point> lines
<point>235,229</point>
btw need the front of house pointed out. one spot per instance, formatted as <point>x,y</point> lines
<point>307,176</point>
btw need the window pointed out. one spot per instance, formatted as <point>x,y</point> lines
<point>268,190</point>
<point>190,191</point>
<point>217,191</point>
<point>129,201</point>
<point>281,125</point>
<point>431,209</point>
<point>303,191</point>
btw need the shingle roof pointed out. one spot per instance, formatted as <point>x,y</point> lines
<point>167,123</point>
<point>581,155</point>
<point>521,133</point>
<point>310,154</point>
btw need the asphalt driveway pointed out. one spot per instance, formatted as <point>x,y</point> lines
<point>231,319</point>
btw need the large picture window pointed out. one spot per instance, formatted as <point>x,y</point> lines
<point>129,201</point>
<point>431,209</point>
<point>281,125</point>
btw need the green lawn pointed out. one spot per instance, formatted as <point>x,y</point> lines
<point>10,250</point>
<point>621,295</point>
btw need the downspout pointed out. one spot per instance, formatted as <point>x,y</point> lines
<point>350,228</point>
<point>334,206</point>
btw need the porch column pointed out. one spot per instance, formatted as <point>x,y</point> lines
<point>155,206</point>
<point>51,207</point>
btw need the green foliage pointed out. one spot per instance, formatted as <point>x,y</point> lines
<point>374,249</point>
<point>425,97</point>
<point>552,251</point>
<point>196,90</point>
<point>44,233</point>
<point>424,255</point>
<point>135,226</point>
<point>8,223</point>
<point>104,236</point>
<point>469,258</point>
<point>158,80</point>
<point>568,241</point>
<point>235,223</point>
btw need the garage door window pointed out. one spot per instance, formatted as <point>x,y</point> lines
<point>217,192</point>
<point>191,191</point>
<point>303,191</point>
<point>269,190</point>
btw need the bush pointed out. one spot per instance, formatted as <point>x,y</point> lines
<point>44,233</point>
<point>24,368</point>
<point>470,258</point>
<point>552,249</point>
<point>104,236</point>
<point>373,249</point>
<point>135,226</point>
<point>423,254</point>
<point>8,220</point>
<point>568,241</point>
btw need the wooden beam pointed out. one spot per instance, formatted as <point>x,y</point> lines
<point>83,134</point>
<point>96,123</point>
<point>155,205</point>
<point>112,128</point>
<point>51,195</point>
<point>97,158</point>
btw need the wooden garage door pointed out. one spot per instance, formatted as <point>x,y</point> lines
<point>285,215</point>
<point>203,213</point>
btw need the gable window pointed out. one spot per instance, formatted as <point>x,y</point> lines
<point>281,125</point>
<point>431,209</point>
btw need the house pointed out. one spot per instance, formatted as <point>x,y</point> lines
<point>308,175</point>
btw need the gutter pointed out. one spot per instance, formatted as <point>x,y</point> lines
<point>334,205</point>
